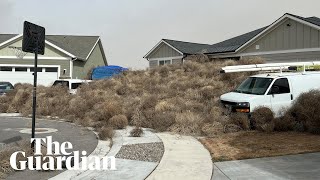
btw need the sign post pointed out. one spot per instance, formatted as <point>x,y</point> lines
<point>34,42</point>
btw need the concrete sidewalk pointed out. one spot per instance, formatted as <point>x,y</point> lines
<point>303,166</point>
<point>184,158</point>
<point>126,169</point>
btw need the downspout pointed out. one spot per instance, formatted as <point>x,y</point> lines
<point>183,58</point>
<point>71,66</point>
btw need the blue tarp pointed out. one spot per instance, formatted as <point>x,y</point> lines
<point>106,72</point>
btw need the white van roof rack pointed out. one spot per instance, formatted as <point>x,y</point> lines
<point>270,67</point>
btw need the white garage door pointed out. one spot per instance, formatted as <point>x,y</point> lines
<point>24,74</point>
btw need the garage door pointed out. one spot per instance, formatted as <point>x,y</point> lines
<point>24,74</point>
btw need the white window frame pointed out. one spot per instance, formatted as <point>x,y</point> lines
<point>165,62</point>
<point>31,66</point>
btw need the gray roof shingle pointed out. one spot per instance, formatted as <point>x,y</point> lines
<point>80,46</point>
<point>6,37</point>
<point>233,44</point>
<point>187,47</point>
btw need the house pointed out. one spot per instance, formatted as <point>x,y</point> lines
<point>66,57</point>
<point>289,38</point>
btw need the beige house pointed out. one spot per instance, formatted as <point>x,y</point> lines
<point>290,38</point>
<point>66,57</point>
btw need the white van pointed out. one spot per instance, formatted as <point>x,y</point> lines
<point>275,91</point>
<point>71,84</point>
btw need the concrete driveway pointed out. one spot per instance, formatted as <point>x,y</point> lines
<point>304,166</point>
<point>13,127</point>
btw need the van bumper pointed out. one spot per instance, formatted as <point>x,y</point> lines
<point>233,107</point>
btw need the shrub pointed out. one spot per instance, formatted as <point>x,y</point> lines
<point>305,110</point>
<point>106,133</point>
<point>188,123</point>
<point>263,119</point>
<point>241,120</point>
<point>212,129</point>
<point>284,123</point>
<point>162,121</point>
<point>4,104</point>
<point>181,98</point>
<point>231,128</point>
<point>118,121</point>
<point>136,132</point>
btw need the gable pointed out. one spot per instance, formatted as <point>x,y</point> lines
<point>163,50</point>
<point>289,34</point>
<point>97,57</point>
<point>49,51</point>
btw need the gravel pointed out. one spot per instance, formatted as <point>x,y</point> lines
<point>150,152</point>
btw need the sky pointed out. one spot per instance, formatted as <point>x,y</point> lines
<point>130,28</point>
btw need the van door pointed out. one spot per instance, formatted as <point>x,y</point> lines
<point>280,96</point>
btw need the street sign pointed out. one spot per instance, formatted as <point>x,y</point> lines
<point>34,42</point>
<point>33,38</point>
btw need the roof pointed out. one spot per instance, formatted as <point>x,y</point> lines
<point>285,74</point>
<point>314,20</point>
<point>6,37</point>
<point>187,47</point>
<point>80,46</point>
<point>230,45</point>
<point>233,44</point>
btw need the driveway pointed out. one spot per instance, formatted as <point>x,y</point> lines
<point>304,166</point>
<point>12,128</point>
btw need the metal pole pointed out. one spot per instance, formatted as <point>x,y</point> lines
<point>34,102</point>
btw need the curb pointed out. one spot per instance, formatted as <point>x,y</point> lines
<point>10,115</point>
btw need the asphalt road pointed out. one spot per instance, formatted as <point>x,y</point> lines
<point>11,129</point>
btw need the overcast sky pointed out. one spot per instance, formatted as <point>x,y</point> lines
<point>130,28</point>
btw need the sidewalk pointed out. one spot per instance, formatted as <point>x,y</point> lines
<point>126,168</point>
<point>303,166</point>
<point>184,158</point>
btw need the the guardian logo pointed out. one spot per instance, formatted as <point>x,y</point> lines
<point>60,157</point>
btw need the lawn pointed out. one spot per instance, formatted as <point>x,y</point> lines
<point>253,144</point>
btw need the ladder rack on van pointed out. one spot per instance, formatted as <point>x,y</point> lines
<point>314,65</point>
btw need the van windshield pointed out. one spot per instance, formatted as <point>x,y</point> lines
<point>254,85</point>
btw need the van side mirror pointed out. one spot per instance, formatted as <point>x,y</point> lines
<point>275,90</point>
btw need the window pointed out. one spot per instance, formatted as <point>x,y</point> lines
<point>51,69</point>
<point>6,86</point>
<point>5,68</point>
<point>61,83</point>
<point>164,62</point>
<point>254,85</point>
<point>282,85</point>
<point>21,69</point>
<point>75,85</point>
<point>39,69</point>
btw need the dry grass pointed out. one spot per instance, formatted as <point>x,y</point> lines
<point>305,112</point>
<point>254,144</point>
<point>136,132</point>
<point>106,133</point>
<point>118,121</point>
<point>179,98</point>
<point>263,119</point>
<point>5,167</point>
